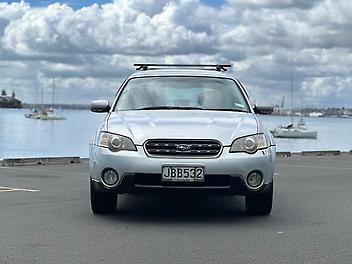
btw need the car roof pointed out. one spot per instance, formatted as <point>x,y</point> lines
<point>181,72</point>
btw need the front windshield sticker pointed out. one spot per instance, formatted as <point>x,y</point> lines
<point>239,105</point>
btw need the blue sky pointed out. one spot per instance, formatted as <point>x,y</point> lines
<point>80,3</point>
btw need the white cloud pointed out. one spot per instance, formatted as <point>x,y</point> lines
<point>280,4</point>
<point>94,47</point>
<point>120,30</point>
<point>13,11</point>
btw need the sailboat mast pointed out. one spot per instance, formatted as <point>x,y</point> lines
<point>36,95</point>
<point>41,95</point>
<point>53,96</point>
<point>291,99</point>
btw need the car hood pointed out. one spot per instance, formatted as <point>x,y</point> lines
<point>182,124</point>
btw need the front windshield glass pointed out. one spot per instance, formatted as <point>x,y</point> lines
<point>150,93</point>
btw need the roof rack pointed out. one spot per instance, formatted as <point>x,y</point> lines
<point>217,67</point>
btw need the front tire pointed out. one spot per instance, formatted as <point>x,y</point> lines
<point>260,204</point>
<point>101,202</point>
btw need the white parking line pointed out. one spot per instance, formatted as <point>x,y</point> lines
<point>6,190</point>
<point>10,189</point>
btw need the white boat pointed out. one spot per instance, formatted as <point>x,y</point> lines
<point>43,114</point>
<point>33,113</point>
<point>291,131</point>
<point>50,116</point>
<point>30,114</point>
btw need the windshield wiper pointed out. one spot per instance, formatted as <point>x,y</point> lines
<point>168,107</point>
<point>226,109</point>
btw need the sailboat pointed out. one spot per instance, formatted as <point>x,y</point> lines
<point>34,112</point>
<point>45,113</point>
<point>49,113</point>
<point>291,131</point>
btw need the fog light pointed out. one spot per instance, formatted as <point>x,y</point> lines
<point>254,179</point>
<point>110,177</point>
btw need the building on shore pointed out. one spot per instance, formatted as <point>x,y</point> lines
<point>9,101</point>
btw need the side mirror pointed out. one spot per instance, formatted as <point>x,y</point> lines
<point>100,106</point>
<point>265,110</point>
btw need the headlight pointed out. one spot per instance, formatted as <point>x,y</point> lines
<point>115,143</point>
<point>250,144</point>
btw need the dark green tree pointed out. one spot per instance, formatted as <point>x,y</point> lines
<point>3,93</point>
<point>13,95</point>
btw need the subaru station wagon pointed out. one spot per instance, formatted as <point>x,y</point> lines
<point>181,130</point>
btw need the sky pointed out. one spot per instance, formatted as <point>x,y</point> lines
<point>89,47</point>
<point>76,4</point>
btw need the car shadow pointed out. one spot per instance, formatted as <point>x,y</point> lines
<point>168,209</point>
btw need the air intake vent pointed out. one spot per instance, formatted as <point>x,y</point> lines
<point>190,148</point>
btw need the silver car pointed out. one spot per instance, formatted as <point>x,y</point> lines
<point>181,130</point>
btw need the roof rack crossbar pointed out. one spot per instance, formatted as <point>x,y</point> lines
<point>218,67</point>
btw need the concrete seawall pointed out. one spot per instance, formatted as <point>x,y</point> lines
<point>69,160</point>
<point>39,161</point>
<point>313,153</point>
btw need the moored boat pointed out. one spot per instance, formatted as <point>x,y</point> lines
<point>51,116</point>
<point>43,114</point>
<point>294,132</point>
<point>291,131</point>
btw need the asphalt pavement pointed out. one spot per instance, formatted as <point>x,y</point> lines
<point>45,217</point>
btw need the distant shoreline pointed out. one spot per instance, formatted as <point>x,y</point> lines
<point>32,106</point>
<point>62,106</point>
<point>327,112</point>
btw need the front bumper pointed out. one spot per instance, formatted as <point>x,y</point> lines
<point>132,185</point>
<point>224,175</point>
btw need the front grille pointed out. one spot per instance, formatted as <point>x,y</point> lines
<point>210,180</point>
<point>193,148</point>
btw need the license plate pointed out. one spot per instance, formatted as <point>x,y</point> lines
<point>182,174</point>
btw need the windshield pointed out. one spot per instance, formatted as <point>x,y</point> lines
<point>202,93</point>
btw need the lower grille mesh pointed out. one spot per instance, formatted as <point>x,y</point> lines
<point>155,179</point>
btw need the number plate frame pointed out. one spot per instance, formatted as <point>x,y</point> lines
<point>182,169</point>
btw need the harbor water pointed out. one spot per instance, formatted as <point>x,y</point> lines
<point>24,137</point>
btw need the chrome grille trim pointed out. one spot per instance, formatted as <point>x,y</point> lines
<point>191,148</point>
